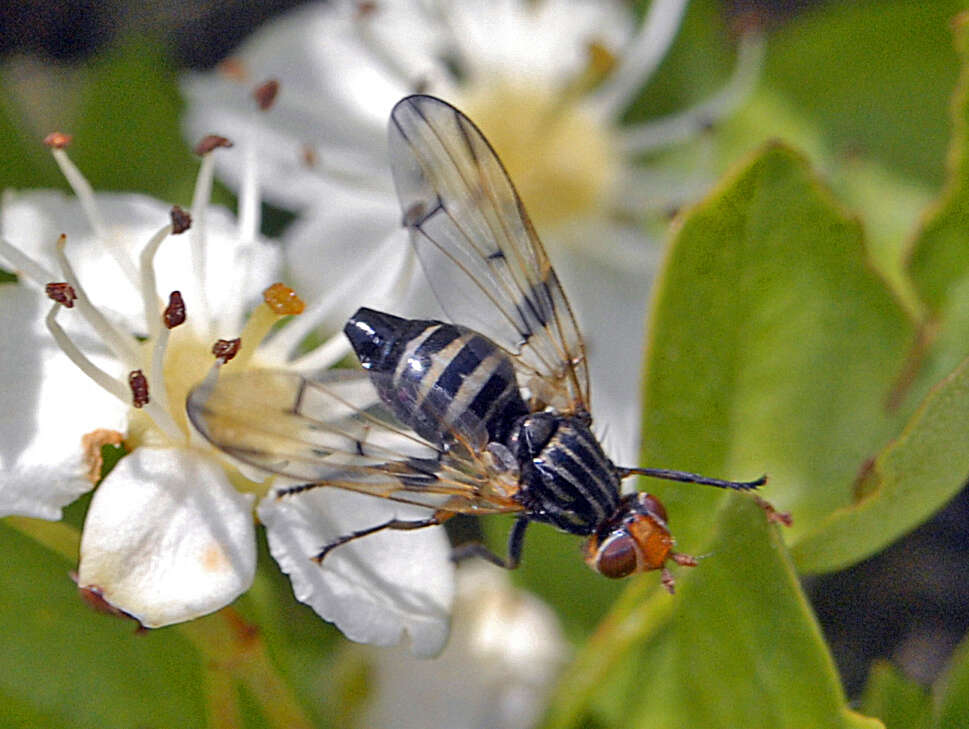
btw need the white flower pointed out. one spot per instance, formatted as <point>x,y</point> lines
<point>169,534</point>
<point>546,81</point>
<point>505,653</point>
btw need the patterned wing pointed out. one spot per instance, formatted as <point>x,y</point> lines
<point>479,250</point>
<point>335,432</point>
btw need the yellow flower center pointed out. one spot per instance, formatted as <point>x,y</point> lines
<point>558,154</point>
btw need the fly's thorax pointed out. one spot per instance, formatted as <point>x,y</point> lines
<point>567,480</point>
<point>635,539</point>
<point>438,378</point>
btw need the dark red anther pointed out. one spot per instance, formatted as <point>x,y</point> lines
<point>181,221</point>
<point>226,349</point>
<point>212,141</point>
<point>139,388</point>
<point>265,94</point>
<point>62,293</point>
<point>58,140</point>
<point>175,311</point>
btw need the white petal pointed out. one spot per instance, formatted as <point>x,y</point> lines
<point>335,95</point>
<point>48,406</point>
<point>167,538</point>
<point>611,304</point>
<point>547,41</point>
<point>505,651</point>
<point>376,589</point>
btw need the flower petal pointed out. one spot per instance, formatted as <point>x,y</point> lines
<point>505,652</point>
<point>167,538</point>
<point>375,589</point>
<point>48,405</point>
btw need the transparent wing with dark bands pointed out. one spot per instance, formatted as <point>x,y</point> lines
<point>479,250</point>
<point>335,432</point>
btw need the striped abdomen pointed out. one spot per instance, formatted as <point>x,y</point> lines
<point>431,373</point>
<point>567,480</point>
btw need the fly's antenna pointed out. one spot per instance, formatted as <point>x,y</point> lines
<point>687,477</point>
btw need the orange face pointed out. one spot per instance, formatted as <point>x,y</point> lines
<point>636,540</point>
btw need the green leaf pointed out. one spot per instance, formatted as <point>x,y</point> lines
<point>938,264</point>
<point>897,701</point>
<point>127,136</point>
<point>952,706</point>
<point>875,79</point>
<point>908,481</point>
<point>773,347</point>
<point>63,665</point>
<point>740,647</point>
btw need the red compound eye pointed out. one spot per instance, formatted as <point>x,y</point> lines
<point>618,556</point>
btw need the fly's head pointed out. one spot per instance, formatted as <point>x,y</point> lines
<point>635,540</point>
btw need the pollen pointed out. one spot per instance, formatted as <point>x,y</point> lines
<point>181,221</point>
<point>558,153</point>
<point>174,314</point>
<point>283,300</point>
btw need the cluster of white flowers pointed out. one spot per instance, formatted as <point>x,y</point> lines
<point>137,293</point>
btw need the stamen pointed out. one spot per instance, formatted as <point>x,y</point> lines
<point>641,57</point>
<point>265,94</point>
<point>24,264</point>
<point>283,300</point>
<point>283,346</point>
<point>174,314</point>
<point>58,140</point>
<point>366,14</point>
<point>200,201</point>
<point>138,384</point>
<point>91,445</point>
<point>117,341</point>
<point>210,143</point>
<point>149,288</point>
<point>62,293</point>
<point>682,126</point>
<point>225,349</point>
<point>85,196</point>
<point>233,69</point>
<point>100,377</point>
<point>181,221</point>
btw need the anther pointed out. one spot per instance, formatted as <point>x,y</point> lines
<point>366,9</point>
<point>234,69</point>
<point>181,221</point>
<point>308,156</point>
<point>226,349</point>
<point>265,94</point>
<point>210,142</point>
<point>62,293</point>
<point>283,300</point>
<point>174,313</point>
<point>139,388</point>
<point>58,140</point>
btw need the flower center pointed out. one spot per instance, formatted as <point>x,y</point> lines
<point>560,156</point>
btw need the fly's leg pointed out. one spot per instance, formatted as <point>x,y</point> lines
<point>516,541</point>
<point>439,517</point>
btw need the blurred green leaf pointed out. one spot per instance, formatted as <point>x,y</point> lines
<point>897,701</point>
<point>939,264</point>
<point>773,347</point>
<point>952,697</point>
<point>63,665</point>
<point>875,78</point>
<point>740,647</point>
<point>127,135</point>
